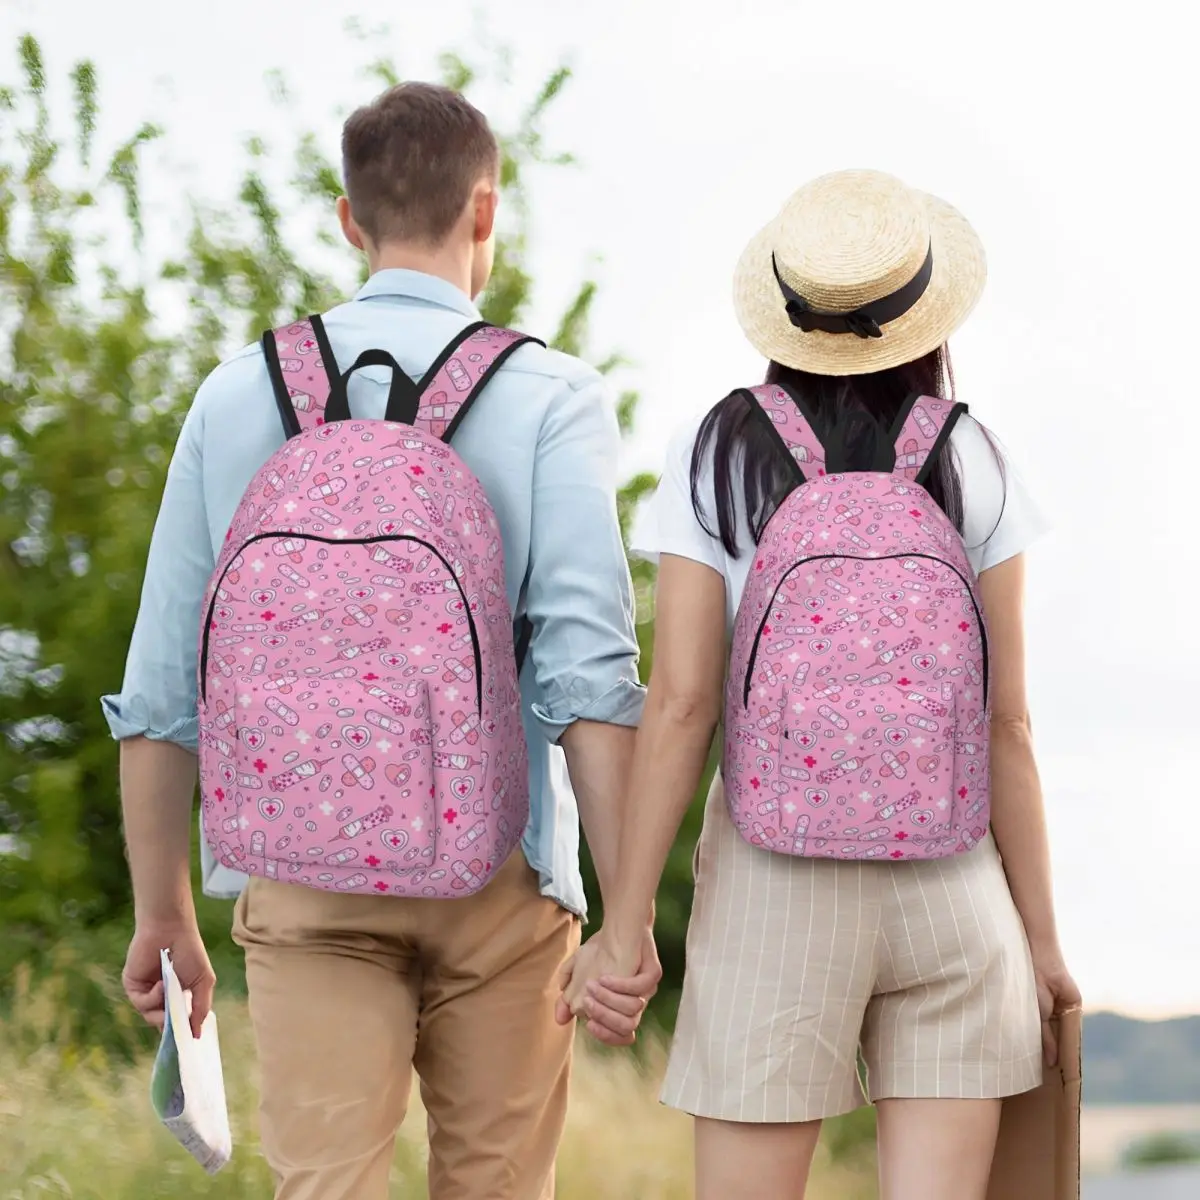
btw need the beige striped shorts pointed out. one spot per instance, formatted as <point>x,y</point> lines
<point>796,967</point>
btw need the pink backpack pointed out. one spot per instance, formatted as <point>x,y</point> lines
<point>856,711</point>
<point>360,717</point>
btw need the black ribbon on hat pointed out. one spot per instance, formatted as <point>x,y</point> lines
<point>864,322</point>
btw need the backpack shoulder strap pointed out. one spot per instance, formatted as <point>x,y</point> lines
<point>302,369</point>
<point>460,373</point>
<point>793,426</point>
<point>923,427</point>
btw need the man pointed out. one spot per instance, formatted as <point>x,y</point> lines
<point>349,992</point>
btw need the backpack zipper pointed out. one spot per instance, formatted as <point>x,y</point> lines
<point>370,541</point>
<point>865,558</point>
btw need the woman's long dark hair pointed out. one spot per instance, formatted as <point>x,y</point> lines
<point>852,411</point>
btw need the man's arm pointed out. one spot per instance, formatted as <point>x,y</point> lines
<point>155,719</point>
<point>579,599</point>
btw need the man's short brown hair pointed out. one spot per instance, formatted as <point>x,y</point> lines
<point>410,159</point>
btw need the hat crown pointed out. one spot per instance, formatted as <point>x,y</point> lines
<point>849,238</point>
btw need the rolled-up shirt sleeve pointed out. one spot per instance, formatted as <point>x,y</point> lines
<point>158,698</point>
<point>579,595</point>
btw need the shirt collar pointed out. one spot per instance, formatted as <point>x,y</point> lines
<point>396,281</point>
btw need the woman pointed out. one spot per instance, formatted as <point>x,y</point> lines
<point>933,961</point>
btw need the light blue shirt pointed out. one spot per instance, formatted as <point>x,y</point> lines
<point>542,439</point>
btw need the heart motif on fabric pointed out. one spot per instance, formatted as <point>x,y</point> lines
<point>356,735</point>
<point>253,738</point>
<point>399,616</point>
<point>922,816</point>
<point>765,765</point>
<point>928,763</point>
<point>816,797</point>
<point>972,769</point>
<point>897,737</point>
<point>269,808</point>
<point>924,662</point>
<point>812,603</point>
<point>803,739</point>
<point>227,774</point>
<point>274,641</point>
<point>262,598</point>
<point>928,615</point>
<point>397,774</point>
<point>394,839</point>
<point>462,786</point>
<point>820,645</point>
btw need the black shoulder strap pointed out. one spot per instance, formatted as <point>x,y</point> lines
<point>462,370</point>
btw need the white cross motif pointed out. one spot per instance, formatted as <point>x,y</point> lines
<point>258,565</point>
<point>325,807</point>
<point>245,701</point>
<point>418,824</point>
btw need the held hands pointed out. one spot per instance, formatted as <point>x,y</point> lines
<point>142,977</point>
<point>609,987</point>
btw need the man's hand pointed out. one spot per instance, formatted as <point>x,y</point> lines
<point>610,989</point>
<point>142,977</point>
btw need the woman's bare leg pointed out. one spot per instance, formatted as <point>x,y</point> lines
<point>768,1162</point>
<point>936,1149</point>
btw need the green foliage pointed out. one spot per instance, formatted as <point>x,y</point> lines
<point>1163,1149</point>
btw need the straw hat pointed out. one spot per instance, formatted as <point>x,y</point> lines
<point>858,273</point>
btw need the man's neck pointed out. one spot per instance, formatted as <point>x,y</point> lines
<point>451,263</point>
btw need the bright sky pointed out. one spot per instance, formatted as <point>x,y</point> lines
<point>1065,135</point>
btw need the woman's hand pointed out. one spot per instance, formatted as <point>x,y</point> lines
<point>610,987</point>
<point>1057,992</point>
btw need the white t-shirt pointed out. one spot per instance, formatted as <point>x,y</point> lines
<point>1000,519</point>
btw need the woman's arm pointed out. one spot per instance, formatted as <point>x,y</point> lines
<point>683,707</point>
<point>1018,814</point>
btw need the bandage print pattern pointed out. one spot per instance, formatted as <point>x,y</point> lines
<point>359,711</point>
<point>857,709</point>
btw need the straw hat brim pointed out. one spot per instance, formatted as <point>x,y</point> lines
<point>959,273</point>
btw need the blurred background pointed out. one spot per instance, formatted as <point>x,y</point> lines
<point>167,177</point>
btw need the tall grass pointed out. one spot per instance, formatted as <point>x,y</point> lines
<point>77,1122</point>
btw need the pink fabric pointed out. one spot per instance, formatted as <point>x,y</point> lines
<point>360,721</point>
<point>797,434</point>
<point>303,371</point>
<point>444,395</point>
<point>919,433</point>
<point>864,733</point>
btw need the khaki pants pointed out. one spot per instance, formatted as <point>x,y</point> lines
<point>349,993</point>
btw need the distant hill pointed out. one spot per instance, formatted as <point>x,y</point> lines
<point>1140,1062</point>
